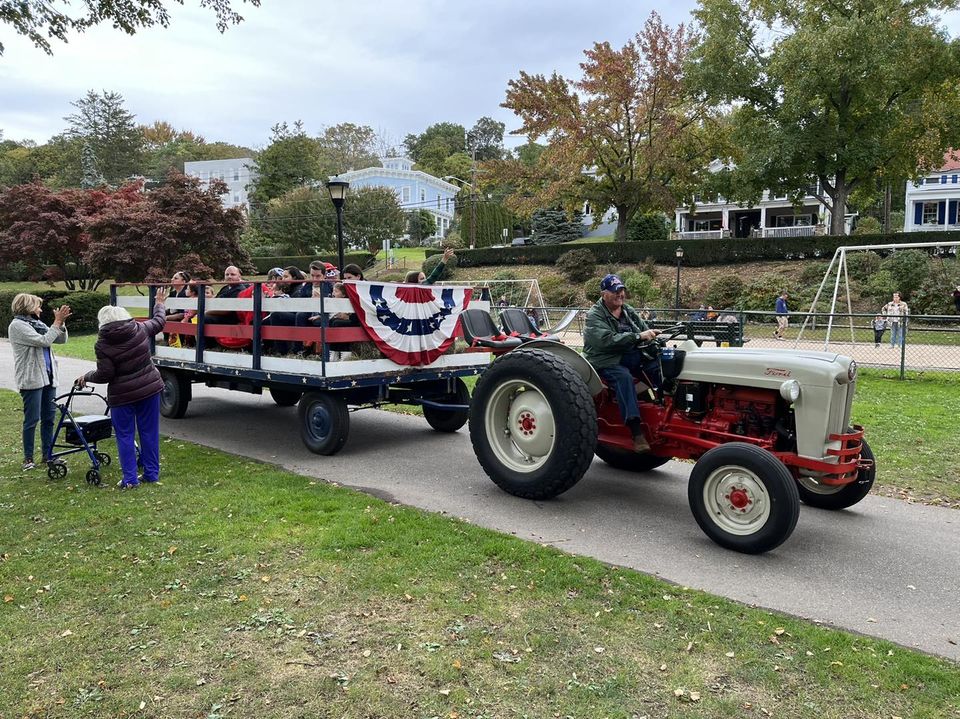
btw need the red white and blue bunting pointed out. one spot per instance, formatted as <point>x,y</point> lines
<point>410,324</point>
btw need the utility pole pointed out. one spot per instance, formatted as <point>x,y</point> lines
<point>473,201</point>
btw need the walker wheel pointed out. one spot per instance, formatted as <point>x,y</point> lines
<point>93,477</point>
<point>103,458</point>
<point>57,471</point>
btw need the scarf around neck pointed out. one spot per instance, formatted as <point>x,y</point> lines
<point>39,326</point>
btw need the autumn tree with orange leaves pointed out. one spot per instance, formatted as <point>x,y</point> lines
<point>624,136</point>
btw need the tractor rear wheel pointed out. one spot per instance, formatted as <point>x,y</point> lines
<point>533,424</point>
<point>743,498</point>
<point>825,496</point>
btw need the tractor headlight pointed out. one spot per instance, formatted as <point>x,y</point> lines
<point>852,371</point>
<point>790,390</point>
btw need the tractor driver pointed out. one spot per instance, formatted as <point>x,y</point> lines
<point>610,337</point>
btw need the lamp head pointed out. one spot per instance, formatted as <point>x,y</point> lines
<point>338,191</point>
<point>679,253</point>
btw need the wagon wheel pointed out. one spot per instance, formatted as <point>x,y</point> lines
<point>324,422</point>
<point>533,424</point>
<point>826,496</point>
<point>175,395</point>
<point>285,397</point>
<point>743,498</point>
<point>630,461</point>
<point>57,470</point>
<point>450,420</point>
<point>93,477</point>
<point>103,458</point>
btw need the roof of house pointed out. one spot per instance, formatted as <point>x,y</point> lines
<point>951,160</point>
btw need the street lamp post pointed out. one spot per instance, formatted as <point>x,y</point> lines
<point>338,193</point>
<point>473,206</point>
<point>679,253</point>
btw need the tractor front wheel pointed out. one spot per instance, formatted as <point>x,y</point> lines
<point>743,498</point>
<point>825,496</point>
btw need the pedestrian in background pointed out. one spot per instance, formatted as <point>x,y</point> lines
<point>956,298</point>
<point>896,311</point>
<point>133,384</point>
<point>783,315</point>
<point>35,370</point>
<point>879,327</point>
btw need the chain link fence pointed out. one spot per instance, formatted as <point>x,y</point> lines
<point>930,344</point>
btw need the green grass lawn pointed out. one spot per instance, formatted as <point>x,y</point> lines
<point>236,589</point>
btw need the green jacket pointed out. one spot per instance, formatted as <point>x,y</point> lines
<point>603,342</point>
<point>435,274</point>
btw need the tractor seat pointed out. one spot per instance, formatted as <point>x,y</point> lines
<point>480,331</point>
<point>517,323</point>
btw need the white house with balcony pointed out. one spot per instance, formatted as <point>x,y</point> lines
<point>932,203</point>
<point>415,189</point>
<point>237,173</point>
<point>774,216</point>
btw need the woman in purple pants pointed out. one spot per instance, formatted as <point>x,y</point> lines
<point>133,384</point>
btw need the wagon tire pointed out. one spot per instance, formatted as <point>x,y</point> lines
<point>93,477</point>
<point>57,470</point>
<point>285,397</point>
<point>825,496</point>
<point>450,420</point>
<point>743,498</point>
<point>324,422</point>
<point>533,424</point>
<point>175,395</point>
<point>104,459</point>
<point>629,461</point>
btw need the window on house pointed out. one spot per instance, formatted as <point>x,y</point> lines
<point>586,209</point>
<point>236,198</point>
<point>405,196</point>
<point>953,180</point>
<point>447,204</point>
<point>236,174</point>
<point>943,179</point>
<point>438,202</point>
<point>423,195</point>
<point>930,213</point>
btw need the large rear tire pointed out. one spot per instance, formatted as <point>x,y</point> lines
<point>324,422</point>
<point>175,395</point>
<point>743,498</point>
<point>825,496</point>
<point>450,420</point>
<point>533,424</point>
<point>629,461</point>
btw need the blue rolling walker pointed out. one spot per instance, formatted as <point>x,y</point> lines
<point>80,434</point>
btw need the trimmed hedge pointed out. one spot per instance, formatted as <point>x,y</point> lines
<point>85,306</point>
<point>264,264</point>
<point>697,253</point>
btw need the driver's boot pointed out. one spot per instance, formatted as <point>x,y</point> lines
<point>640,443</point>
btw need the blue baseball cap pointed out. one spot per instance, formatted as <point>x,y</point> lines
<point>611,283</point>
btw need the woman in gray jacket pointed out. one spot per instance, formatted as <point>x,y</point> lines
<point>35,370</point>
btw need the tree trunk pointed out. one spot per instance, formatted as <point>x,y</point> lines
<point>887,201</point>
<point>621,235</point>
<point>839,199</point>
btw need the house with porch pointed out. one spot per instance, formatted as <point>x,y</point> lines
<point>774,216</point>
<point>415,189</point>
<point>932,202</point>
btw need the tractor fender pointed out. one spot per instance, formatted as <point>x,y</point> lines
<point>573,358</point>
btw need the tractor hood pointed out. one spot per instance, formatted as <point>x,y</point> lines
<point>764,367</point>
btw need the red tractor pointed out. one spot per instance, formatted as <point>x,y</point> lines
<point>766,429</point>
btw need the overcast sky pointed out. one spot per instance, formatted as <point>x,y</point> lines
<point>397,67</point>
